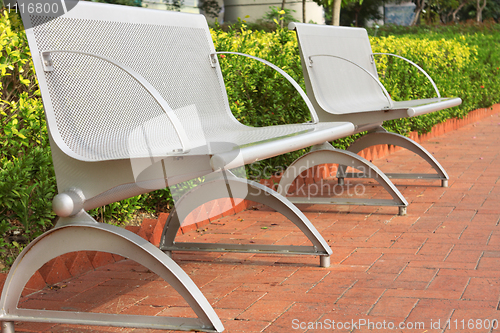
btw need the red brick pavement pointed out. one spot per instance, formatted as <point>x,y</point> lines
<point>440,262</point>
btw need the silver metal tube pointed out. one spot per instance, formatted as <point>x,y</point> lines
<point>418,67</point>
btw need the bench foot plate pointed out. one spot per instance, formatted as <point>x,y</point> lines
<point>324,261</point>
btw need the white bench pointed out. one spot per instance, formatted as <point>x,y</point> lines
<point>342,82</point>
<point>135,101</point>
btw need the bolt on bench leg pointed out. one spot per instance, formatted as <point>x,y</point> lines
<point>341,181</point>
<point>8,327</point>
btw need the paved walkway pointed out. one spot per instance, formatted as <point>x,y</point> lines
<point>440,262</point>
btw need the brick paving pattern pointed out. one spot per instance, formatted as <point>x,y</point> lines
<point>440,262</point>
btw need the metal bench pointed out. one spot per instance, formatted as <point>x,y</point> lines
<point>342,82</point>
<point>135,101</point>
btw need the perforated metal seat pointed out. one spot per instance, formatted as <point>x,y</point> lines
<point>342,82</point>
<point>173,59</point>
<point>135,101</point>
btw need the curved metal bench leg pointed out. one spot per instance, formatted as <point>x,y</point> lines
<point>82,233</point>
<point>382,136</point>
<point>241,188</point>
<point>327,154</point>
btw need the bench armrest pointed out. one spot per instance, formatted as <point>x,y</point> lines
<point>314,116</point>
<point>389,100</point>
<point>179,129</point>
<point>414,64</point>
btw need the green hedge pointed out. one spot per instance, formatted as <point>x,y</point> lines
<point>464,66</point>
<point>27,183</point>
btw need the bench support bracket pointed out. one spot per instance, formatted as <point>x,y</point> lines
<point>327,154</point>
<point>226,184</point>
<point>82,233</point>
<point>381,136</point>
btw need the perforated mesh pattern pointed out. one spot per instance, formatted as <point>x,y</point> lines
<point>89,121</point>
<point>97,106</point>
<point>102,113</point>
<point>339,86</point>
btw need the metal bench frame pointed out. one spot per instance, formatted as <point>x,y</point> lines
<point>370,119</point>
<point>215,188</point>
<point>91,175</point>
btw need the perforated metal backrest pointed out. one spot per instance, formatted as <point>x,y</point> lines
<point>333,81</point>
<point>96,111</point>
